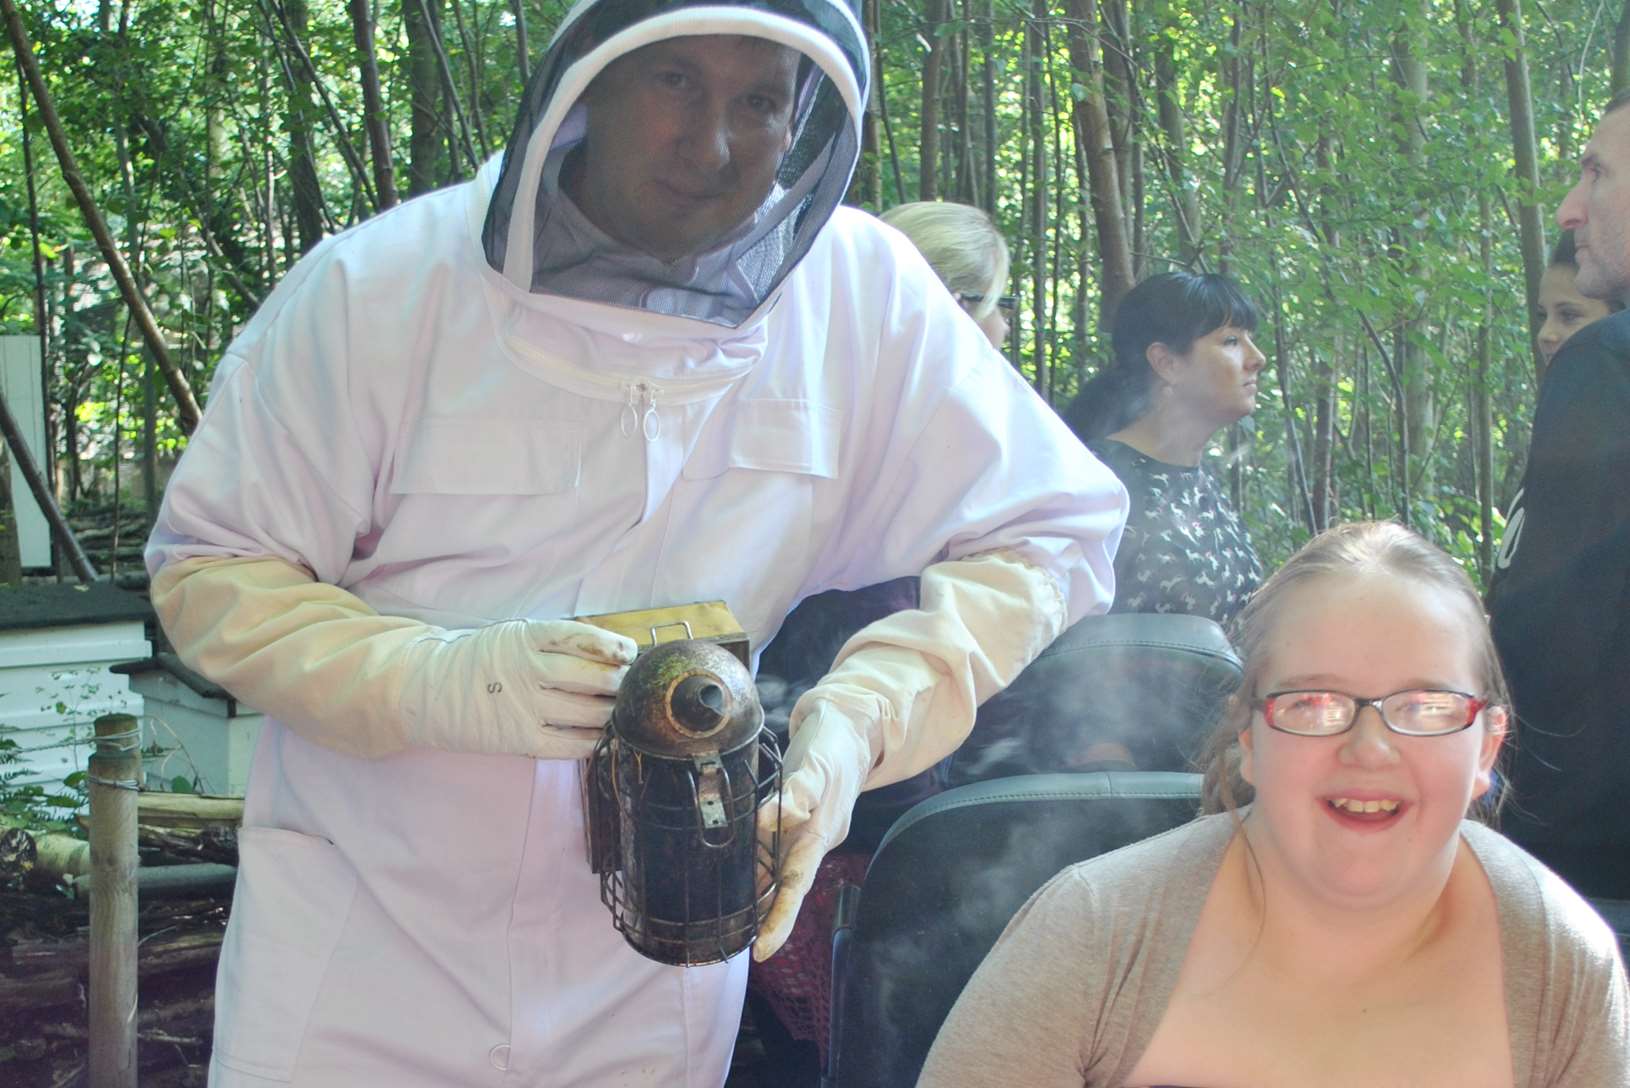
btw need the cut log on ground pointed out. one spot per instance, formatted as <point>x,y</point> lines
<point>184,810</point>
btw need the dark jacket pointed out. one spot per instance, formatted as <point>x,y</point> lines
<point>1561,617</point>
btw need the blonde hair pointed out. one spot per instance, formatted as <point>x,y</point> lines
<point>961,245</point>
<point>1365,547</point>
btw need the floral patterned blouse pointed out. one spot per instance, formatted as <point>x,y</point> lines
<point>1185,550</point>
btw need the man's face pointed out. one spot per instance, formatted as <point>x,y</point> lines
<point>1597,210</point>
<point>684,140</point>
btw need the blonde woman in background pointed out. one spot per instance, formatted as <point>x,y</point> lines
<point>969,255</point>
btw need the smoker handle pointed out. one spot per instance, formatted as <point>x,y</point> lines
<point>843,920</point>
<point>664,626</point>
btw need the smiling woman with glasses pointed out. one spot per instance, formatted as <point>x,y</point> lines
<point>1337,920</point>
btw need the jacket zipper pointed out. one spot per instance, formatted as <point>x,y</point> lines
<point>634,417</point>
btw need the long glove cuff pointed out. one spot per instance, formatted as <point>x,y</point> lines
<point>312,655</point>
<point>916,678</point>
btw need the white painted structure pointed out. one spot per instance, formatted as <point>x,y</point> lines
<point>20,382</point>
<point>208,735</point>
<point>56,645</point>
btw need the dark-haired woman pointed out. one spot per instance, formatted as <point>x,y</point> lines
<point>1184,368</point>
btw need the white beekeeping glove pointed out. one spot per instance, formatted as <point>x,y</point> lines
<point>324,663</point>
<point>900,697</point>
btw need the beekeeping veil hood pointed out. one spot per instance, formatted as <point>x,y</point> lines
<point>541,240</point>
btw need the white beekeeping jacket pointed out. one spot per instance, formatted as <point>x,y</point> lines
<point>469,409</point>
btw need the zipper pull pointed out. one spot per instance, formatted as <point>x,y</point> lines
<point>631,414</point>
<point>650,422</point>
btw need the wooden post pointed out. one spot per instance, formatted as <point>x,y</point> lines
<point>113,776</point>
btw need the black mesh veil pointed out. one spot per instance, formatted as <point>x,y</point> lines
<point>535,236</point>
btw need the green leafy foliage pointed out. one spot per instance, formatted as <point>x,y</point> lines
<point>36,806</point>
<point>1352,202</point>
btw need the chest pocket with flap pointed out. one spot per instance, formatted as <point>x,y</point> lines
<point>796,436</point>
<point>748,492</point>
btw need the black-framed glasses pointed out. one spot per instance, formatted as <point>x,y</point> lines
<point>1006,303</point>
<point>1413,712</point>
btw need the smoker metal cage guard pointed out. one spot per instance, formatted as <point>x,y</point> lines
<point>682,868</point>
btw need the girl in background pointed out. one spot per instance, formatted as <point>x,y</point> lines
<point>1337,920</point>
<point>1562,308</point>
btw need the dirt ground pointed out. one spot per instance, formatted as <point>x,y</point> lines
<point>43,1010</point>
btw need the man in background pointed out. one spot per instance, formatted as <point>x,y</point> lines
<point>1558,601</point>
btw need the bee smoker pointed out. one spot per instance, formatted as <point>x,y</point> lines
<point>674,791</point>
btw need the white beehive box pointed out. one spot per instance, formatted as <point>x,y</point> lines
<point>56,645</point>
<point>209,736</point>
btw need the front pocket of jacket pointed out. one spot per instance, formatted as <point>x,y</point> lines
<point>479,512</point>
<point>289,910</point>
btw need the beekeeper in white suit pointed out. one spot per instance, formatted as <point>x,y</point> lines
<point>645,360</point>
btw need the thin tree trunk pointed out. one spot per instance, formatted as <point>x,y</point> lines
<point>987,98</point>
<point>187,411</point>
<point>1172,127</point>
<point>968,176</point>
<point>1482,402</point>
<point>881,90</point>
<point>1083,267</point>
<point>216,222</point>
<point>472,62</point>
<point>866,190</point>
<point>11,548</point>
<point>1524,150</point>
<point>1324,376</point>
<point>135,216</point>
<point>306,69</point>
<point>1619,78</point>
<point>929,156</point>
<point>309,218</point>
<point>1419,407</point>
<point>866,187</point>
<point>1140,221</point>
<point>1121,105</point>
<point>1092,131</point>
<point>459,136</point>
<point>1036,208</point>
<point>1236,76</point>
<point>1481,407</point>
<point>42,321</point>
<point>376,120</point>
<point>523,55</point>
<point>72,386</point>
<point>1057,171</point>
<point>424,93</point>
<point>215,88</point>
<point>1300,497</point>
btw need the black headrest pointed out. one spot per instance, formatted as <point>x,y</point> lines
<point>945,881</point>
<point>1150,682</point>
